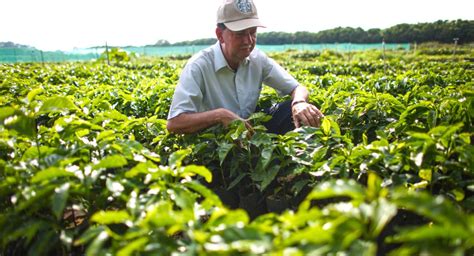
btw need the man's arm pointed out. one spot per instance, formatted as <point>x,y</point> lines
<point>303,112</point>
<point>193,122</point>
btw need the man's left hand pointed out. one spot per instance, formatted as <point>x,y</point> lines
<point>306,114</point>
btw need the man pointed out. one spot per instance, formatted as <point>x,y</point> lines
<point>223,82</point>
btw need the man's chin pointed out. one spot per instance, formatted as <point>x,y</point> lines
<point>246,52</point>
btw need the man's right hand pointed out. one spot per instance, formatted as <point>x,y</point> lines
<point>306,114</point>
<point>194,122</point>
<point>229,116</point>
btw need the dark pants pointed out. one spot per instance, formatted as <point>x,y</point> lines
<point>281,121</point>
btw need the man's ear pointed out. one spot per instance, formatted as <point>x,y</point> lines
<point>219,35</point>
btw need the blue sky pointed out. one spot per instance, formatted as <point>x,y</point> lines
<point>66,24</point>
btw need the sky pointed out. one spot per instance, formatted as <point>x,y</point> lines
<point>68,24</point>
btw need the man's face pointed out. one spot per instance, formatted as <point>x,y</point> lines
<point>238,44</point>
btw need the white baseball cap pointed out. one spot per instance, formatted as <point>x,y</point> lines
<point>238,15</point>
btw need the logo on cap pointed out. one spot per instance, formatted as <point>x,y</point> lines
<point>244,6</point>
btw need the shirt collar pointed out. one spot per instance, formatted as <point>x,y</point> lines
<point>219,59</point>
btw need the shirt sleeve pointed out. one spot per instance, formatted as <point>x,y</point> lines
<point>188,96</point>
<point>278,78</point>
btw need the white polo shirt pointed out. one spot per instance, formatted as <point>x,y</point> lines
<point>207,82</point>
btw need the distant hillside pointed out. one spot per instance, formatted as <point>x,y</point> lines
<point>442,31</point>
<point>14,45</point>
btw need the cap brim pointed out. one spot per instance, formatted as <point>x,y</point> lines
<point>243,24</point>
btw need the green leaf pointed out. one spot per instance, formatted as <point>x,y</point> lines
<point>425,174</point>
<point>34,152</point>
<point>434,233</point>
<point>82,132</point>
<point>269,177</point>
<point>458,194</point>
<point>6,112</point>
<point>59,199</point>
<point>326,126</point>
<point>112,161</point>
<point>210,199</point>
<point>95,248</point>
<point>134,246</point>
<point>383,212</point>
<point>337,188</point>
<point>225,217</point>
<point>420,136</point>
<point>192,170</point>
<point>223,151</point>
<point>266,157</point>
<point>42,243</point>
<point>177,157</point>
<point>360,247</point>
<point>110,217</point>
<point>18,121</point>
<point>237,180</point>
<point>32,94</point>
<point>261,138</point>
<point>115,115</point>
<point>161,214</point>
<point>89,234</point>
<point>105,134</point>
<point>57,104</point>
<point>374,186</point>
<point>435,208</point>
<point>184,198</point>
<point>141,168</point>
<point>50,174</point>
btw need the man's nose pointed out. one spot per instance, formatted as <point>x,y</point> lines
<point>248,38</point>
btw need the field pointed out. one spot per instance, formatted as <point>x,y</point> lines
<point>87,166</point>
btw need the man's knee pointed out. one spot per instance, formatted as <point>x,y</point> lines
<point>281,121</point>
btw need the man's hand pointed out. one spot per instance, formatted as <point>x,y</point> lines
<point>306,114</point>
<point>229,116</point>
<point>194,122</point>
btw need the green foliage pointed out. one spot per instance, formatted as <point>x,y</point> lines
<point>87,166</point>
<point>116,55</point>
<point>442,31</point>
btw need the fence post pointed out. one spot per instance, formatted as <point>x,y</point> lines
<point>383,57</point>
<point>107,53</point>
<point>455,44</point>
<point>349,52</point>
<point>42,57</point>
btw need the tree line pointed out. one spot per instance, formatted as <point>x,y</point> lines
<point>442,31</point>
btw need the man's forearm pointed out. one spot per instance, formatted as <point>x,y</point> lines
<point>300,93</point>
<point>194,122</point>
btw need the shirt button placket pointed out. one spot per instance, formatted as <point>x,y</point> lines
<point>239,92</point>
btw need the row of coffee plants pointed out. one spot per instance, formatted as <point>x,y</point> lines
<point>87,166</point>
